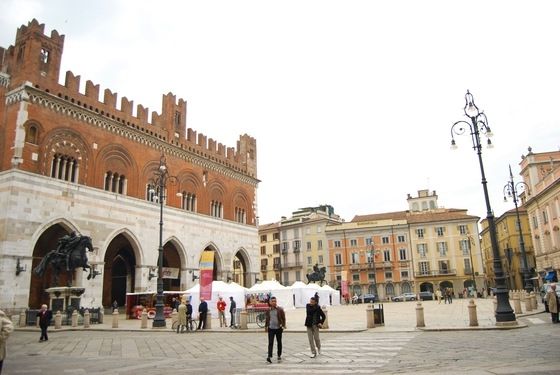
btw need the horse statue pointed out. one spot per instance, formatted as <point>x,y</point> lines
<point>70,254</point>
<point>318,274</point>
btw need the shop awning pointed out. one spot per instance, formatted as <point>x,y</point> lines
<point>550,275</point>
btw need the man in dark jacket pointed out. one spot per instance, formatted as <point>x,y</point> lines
<point>275,323</point>
<point>202,312</point>
<point>45,317</point>
<point>314,320</point>
<point>232,306</point>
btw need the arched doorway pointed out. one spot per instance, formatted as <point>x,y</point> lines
<point>172,267</point>
<point>390,290</point>
<point>427,287</point>
<point>406,287</point>
<point>356,290</point>
<point>240,271</point>
<point>119,273</point>
<point>372,289</point>
<point>446,284</point>
<point>217,263</point>
<point>47,241</point>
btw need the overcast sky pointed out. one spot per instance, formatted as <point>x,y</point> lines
<point>351,102</point>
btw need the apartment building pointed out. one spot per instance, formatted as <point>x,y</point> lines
<point>269,235</point>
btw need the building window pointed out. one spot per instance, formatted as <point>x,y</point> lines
<point>371,276</point>
<point>320,259</point>
<point>296,232</point>
<point>545,217</point>
<point>388,275</point>
<point>264,238</point>
<point>309,260</point>
<point>422,249</point>
<point>115,183</point>
<point>286,278</point>
<point>298,275</point>
<point>284,234</point>
<point>285,246</point>
<point>64,167</point>
<point>355,258</point>
<point>463,229</point>
<point>402,254</point>
<point>337,243</point>
<point>44,56</point>
<point>387,255</point>
<point>276,248</point>
<point>420,233</point>
<point>338,259</point>
<point>297,245</point>
<point>467,264</point>
<point>401,238</point>
<point>443,267</point>
<point>275,236</point>
<point>464,245</point>
<point>355,277</point>
<point>216,209</point>
<point>442,248</point>
<point>152,193</point>
<point>308,244</point>
<point>385,240</point>
<point>319,244</point>
<point>535,222</point>
<point>188,202</point>
<point>424,268</point>
<point>177,120</point>
<point>31,134</point>
<point>263,250</point>
<point>404,274</point>
<point>440,231</point>
<point>390,289</point>
<point>369,241</point>
<point>353,243</point>
<point>240,216</point>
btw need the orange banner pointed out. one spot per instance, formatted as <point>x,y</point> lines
<point>206,274</point>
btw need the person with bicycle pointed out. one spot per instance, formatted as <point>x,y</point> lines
<point>275,323</point>
<point>181,317</point>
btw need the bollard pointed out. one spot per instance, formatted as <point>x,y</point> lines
<point>174,317</point>
<point>326,322</point>
<point>370,318</point>
<point>74,319</point>
<point>522,295</point>
<point>473,320</point>
<point>101,314</point>
<point>58,320</point>
<point>528,304</point>
<point>144,319</point>
<point>533,298</point>
<point>115,318</point>
<point>517,304</point>
<point>209,320</point>
<point>22,319</point>
<point>87,318</point>
<point>420,315</point>
<point>243,320</point>
<point>495,302</point>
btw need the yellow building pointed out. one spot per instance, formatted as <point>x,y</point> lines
<point>509,244</point>
<point>269,235</point>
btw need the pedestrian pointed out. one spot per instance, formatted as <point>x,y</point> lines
<point>313,321</point>
<point>449,295</point>
<point>175,303</point>
<point>552,301</point>
<point>438,295</point>
<point>275,323</point>
<point>6,327</point>
<point>182,317</point>
<point>232,306</point>
<point>45,317</point>
<point>221,305</point>
<point>202,312</point>
<point>189,313</point>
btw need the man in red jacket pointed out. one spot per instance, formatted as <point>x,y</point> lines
<point>221,305</point>
<point>275,323</point>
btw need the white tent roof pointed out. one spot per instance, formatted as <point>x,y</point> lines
<point>283,294</point>
<point>267,286</point>
<point>219,289</point>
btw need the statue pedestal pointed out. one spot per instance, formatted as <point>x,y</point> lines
<point>64,296</point>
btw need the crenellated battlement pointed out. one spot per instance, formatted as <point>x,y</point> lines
<point>20,62</point>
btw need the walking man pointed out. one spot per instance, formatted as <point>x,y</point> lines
<point>181,317</point>
<point>275,323</point>
<point>552,301</point>
<point>221,305</point>
<point>438,296</point>
<point>202,312</point>
<point>313,321</point>
<point>45,317</point>
<point>232,306</point>
<point>6,327</point>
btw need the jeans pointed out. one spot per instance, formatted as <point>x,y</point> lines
<point>222,316</point>
<point>202,321</point>
<point>271,334</point>
<point>44,335</point>
<point>314,340</point>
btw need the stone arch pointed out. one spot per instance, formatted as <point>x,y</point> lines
<point>427,287</point>
<point>115,159</point>
<point>218,268</point>
<point>242,268</point>
<point>372,289</point>
<point>68,143</point>
<point>173,258</point>
<point>389,289</point>
<point>240,208</point>
<point>446,284</point>
<point>406,287</point>
<point>33,131</point>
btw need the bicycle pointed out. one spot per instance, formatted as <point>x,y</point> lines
<point>191,325</point>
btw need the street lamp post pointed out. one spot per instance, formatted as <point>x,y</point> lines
<point>470,241</point>
<point>160,179</point>
<point>479,124</point>
<point>511,190</point>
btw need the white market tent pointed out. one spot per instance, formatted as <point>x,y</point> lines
<point>303,292</point>
<point>219,289</point>
<point>334,295</point>
<point>283,295</point>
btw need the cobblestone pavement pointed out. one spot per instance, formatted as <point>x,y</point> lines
<point>532,350</point>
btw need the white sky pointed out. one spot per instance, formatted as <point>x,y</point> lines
<point>351,102</point>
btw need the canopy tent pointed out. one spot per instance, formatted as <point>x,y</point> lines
<point>334,295</point>
<point>303,292</point>
<point>219,289</point>
<point>266,288</point>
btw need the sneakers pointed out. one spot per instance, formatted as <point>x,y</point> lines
<point>268,360</point>
<point>314,355</point>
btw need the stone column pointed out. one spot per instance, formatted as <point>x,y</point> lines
<point>74,319</point>
<point>243,319</point>
<point>420,315</point>
<point>115,318</point>
<point>22,319</point>
<point>58,320</point>
<point>144,319</point>
<point>528,304</point>
<point>209,320</point>
<point>326,322</point>
<point>87,318</point>
<point>473,320</point>
<point>517,304</point>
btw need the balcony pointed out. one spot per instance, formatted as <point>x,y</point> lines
<point>424,273</point>
<point>297,250</point>
<point>276,266</point>
<point>284,251</point>
<point>263,267</point>
<point>292,265</point>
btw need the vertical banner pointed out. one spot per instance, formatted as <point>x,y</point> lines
<point>206,273</point>
<point>344,285</point>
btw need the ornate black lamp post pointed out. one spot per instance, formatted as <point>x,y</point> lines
<point>479,124</point>
<point>160,179</point>
<point>511,190</point>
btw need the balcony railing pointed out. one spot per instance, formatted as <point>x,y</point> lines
<point>424,273</point>
<point>276,266</point>
<point>292,265</point>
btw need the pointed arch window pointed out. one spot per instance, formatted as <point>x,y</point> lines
<point>240,215</point>
<point>64,167</point>
<point>216,209</point>
<point>188,201</point>
<point>115,183</point>
<point>31,134</point>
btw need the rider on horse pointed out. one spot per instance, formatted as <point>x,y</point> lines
<point>65,244</point>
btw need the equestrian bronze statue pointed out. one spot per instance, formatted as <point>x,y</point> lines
<point>318,274</point>
<point>69,254</point>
